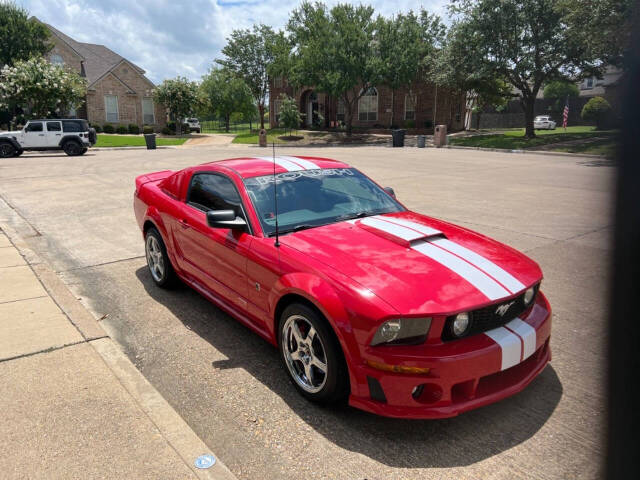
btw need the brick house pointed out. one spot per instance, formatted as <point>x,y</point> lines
<point>414,107</point>
<point>118,92</point>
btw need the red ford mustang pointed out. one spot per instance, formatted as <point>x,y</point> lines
<point>403,314</point>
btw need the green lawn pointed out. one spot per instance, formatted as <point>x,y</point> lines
<point>252,137</point>
<point>134,141</point>
<point>515,140</point>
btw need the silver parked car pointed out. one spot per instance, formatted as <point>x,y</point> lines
<point>544,122</point>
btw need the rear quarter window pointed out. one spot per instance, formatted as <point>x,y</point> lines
<point>72,126</point>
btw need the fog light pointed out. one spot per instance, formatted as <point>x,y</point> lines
<point>460,324</point>
<point>417,391</point>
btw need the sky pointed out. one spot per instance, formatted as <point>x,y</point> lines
<point>168,38</point>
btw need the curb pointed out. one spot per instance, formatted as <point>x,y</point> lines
<point>170,425</point>
<point>536,152</point>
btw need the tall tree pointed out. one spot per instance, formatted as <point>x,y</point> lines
<point>525,42</point>
<point>48,90</point>
<point>180,96</point>
<point>226,93</point>
<point>399,44</point>
<point>249,53</point>
<point>334,51</point>
<point>20,37</point>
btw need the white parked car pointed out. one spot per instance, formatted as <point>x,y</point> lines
<point>194,124</point>
<point>74,136</point>
<point>543,122</point>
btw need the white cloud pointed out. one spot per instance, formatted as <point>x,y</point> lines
<point>169,38</point>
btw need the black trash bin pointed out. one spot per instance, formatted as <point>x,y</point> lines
<point>398,137</point>
<point>150,139</point>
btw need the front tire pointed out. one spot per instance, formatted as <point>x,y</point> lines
<point>7,150</point>
<point>158,261</point>
<point>311,355</point>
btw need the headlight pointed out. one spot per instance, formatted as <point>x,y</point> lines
<point>402,331</point>
<point>460,324</point>
<point>529,296</point>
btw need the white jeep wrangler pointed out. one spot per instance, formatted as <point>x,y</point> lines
<point>74,136</point>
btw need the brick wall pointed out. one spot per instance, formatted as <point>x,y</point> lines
<point>450,110</point>
<point>70,58</point>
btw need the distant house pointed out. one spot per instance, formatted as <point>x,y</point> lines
<point>414,107</point>
<point>118,92</point>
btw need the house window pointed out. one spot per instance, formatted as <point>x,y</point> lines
<point>148,112</point>
<point>588,82</point>
<point>277,82</point>
<point>111,107</point>
<point>340,111</point>
<point>368,106</point>
<point>56,59</point>
<point>410,100</point>
<point>276,110</point>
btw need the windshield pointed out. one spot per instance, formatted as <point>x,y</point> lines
<point>310,198</point>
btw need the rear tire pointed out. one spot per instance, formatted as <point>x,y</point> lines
<point>7,150</point>
<point>312,356</point>
<point>72,148</point>
<point>162,272</point>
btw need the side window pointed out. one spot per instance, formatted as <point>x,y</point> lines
<point>53,127</point>
<point>214,192</point>
<point>71,126</point>
<point>34,127</point>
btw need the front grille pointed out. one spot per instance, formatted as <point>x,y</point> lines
<point>488,318</point>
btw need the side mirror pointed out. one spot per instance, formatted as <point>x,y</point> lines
<point>390,191</point>
<point>225,219</point>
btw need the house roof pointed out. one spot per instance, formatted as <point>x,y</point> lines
<point>98,60</point>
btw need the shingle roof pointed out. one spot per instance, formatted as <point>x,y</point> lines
<point>98,59</point>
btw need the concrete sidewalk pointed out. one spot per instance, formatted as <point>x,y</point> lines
<point>71,404</point>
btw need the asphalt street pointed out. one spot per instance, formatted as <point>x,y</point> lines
<point>227,383</point>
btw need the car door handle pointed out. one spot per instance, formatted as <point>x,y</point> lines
<point>184,224</point>
<point>58,134</point>
<point>41,134</point>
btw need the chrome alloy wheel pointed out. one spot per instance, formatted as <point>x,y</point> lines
<point>155,259</point>
<point>304,353</point>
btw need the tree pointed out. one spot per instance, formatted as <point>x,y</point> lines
<point>596,110</point>
<point>225,93</point>
<point>44,89</point>
<point>333,50</point>
<point>21,38</point>
<point>399,45</point>
<point>290,117</point>
<point>249,54</point>
<point>560,91</point>
<point>179,96</point>
<point>523,41</point>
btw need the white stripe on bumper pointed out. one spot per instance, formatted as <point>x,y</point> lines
<point>509,345</point>
<point>528,335</point>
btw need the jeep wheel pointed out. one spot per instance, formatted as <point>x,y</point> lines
<point>7,150</point>
<point>72,148</point>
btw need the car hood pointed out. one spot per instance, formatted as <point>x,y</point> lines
<point>11,134</point>
<point>418,264</point>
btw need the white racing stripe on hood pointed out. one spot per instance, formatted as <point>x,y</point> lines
<point>306,164</point>
<point>413,225</point>
<point>476,277</point>
<point>505,278</point>
<point>391,228</point>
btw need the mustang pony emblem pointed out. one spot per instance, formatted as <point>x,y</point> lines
<point>502,309</point>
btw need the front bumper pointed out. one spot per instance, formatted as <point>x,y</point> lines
<point>464,374</point>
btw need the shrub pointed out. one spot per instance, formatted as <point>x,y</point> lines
<point>596,110</point>
<point>147,129</point>
<point>167,131</point>
<point>134,129</point>
<point>122,129</point>
<point>98,128</point>
<point>428,124</point>
<point>108,128</point>
<point>410,124</point>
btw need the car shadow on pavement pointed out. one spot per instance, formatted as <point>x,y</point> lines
<point>459,441</point>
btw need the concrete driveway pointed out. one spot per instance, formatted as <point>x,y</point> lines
<point>228,384</point>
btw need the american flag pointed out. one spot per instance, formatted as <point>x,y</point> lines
<point>565,114</point>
